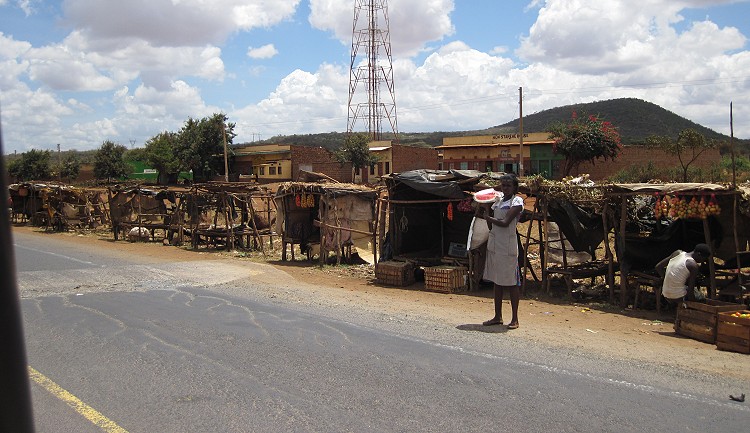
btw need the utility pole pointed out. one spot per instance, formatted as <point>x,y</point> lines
<point>731,146</point>
<point>226,158</point>
<point>520,132</point>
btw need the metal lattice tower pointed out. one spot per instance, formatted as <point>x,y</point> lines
<point>369,72</point>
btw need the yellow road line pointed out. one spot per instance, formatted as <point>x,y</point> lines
<point>82,408</point>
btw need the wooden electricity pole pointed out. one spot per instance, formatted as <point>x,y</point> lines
<point>520,132</point>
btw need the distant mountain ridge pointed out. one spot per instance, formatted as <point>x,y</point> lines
<point>636,120</point>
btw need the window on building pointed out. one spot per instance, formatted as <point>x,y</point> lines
<point>372,170</point>
<point>387,167</point>
<point>278,170</point>
<point>451,166</point>
<point>380,169</point>
<point>464,166</point>
<point>262,171</point>
<point>272,171</point>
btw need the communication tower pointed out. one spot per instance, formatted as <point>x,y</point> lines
<point>371,70</point>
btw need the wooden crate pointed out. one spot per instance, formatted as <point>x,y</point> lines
<point>699,320</point>
<point>733,333</point>
<point>394,273</point>
<point>445,279</point>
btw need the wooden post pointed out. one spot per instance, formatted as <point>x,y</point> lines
<point>545,256</point>
<point>256,235</point>
<point>526,263</point>
<point>228,221</point>
<point>337,233</point>
<point>608,256</point>
<point>323,215</point>
<point>711,265</point>
<point>623,275</point>
<point>374,227</point>
<point>740,250</point>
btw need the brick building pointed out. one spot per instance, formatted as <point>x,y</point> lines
<point>396,158</point>
<point>500,153</point>
<point>282,162</point>
<point>641,156</point>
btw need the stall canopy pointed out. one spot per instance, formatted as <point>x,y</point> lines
<point>430,213</point>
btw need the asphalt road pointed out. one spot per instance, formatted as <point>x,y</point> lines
<point>203,347</point>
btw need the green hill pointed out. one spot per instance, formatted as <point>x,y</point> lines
<point>636,119</point>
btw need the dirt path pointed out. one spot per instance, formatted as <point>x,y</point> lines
<point>640,336</point>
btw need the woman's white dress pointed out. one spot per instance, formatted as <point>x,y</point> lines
<point>501,265</point>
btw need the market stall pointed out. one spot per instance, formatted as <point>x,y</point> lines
<point>429,214</point>
<point>628,228</point>
<point>228,214</point>
<point>330,217</point>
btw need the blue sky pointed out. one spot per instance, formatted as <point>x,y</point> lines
<point>78,72</point>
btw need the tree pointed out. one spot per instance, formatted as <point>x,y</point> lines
<point>109,162</point>
<point>71,166</point>
<point>690,144</point>
<point>160,153</point>
<point>135,155</point>
<point>584,138</point>
<point>33,165</point>
<point>200,145</point>
<point>356,151</point>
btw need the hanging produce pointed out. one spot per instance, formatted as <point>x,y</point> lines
<point>298,200</point>
<point>450,211</point>
<point>695,207</point>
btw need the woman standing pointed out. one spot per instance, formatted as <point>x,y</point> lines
<point>501,265</point>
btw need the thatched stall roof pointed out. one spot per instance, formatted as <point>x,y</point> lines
<point>671,188</point>
<point>230,187</point>
<point>329,189</point>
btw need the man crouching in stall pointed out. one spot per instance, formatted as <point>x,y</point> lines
<point>680,272</point>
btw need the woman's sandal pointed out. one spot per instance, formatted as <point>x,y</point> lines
<point>493,322</point>
<point>513,326</point>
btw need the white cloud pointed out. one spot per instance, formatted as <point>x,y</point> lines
<point>26,6</point>
<point>418,22</point>
<point>302,102</point>
<point>264,52</point>
<point>610,44</point>
<point>175,23</point>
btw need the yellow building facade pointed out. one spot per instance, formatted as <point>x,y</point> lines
<point>498,153</point>
<point>271,162</point>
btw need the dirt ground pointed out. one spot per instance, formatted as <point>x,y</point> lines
<point>596,327</point>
